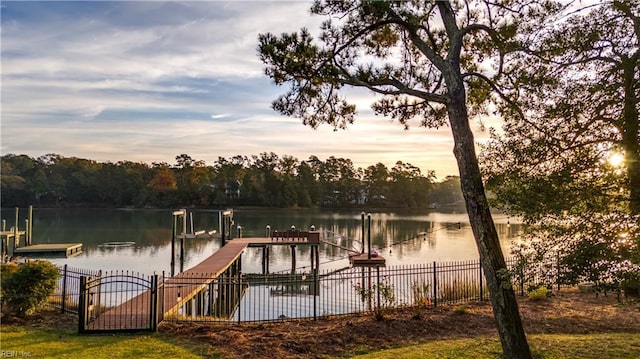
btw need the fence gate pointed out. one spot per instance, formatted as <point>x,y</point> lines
<point>118,301</point>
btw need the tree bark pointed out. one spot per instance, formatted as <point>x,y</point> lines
<point>503,298</point>
<point>630,136</point>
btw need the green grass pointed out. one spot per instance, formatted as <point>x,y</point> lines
<point>51,343</point>
<point>543,346</point>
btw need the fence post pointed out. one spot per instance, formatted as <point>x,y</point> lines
<point>435,286</point>
<point>161,299</point>
<point>378,285</point>
<point>82,305</point>
<point>64,288</point>
<point>480,276</point>
<point>239,282</point>
<point>316,287</point>
<point>153,303</point>
<point>521,281</point>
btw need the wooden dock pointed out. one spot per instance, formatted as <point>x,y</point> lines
<point>49,250</point>
<point>363,260</point>
<point>185,286</point>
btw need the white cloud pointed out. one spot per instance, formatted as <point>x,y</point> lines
<point>146,81</point>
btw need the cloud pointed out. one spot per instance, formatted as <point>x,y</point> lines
<point>146,81</point>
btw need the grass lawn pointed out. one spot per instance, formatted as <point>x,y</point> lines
<point>20,342</point>
<point>50,343</point>
<point>543,346</point>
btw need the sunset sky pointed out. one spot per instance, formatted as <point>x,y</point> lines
<point>146,81</point>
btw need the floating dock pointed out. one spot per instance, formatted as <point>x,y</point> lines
<point>49,250</point>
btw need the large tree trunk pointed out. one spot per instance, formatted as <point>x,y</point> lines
<point>503,298</point>
<point>630,137</point>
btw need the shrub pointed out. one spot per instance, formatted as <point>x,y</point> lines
<point>421,292</point>
<point>539,293</point>
<point>27,286</point>
<point>461,309</point>
<point>386,294</point>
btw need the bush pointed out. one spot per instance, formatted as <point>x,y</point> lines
<point>540,293</point>
<point>27,286</point>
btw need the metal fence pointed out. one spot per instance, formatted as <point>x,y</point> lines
<point>118,301</point>
<point>67,294</point>
<point>235,298</point>
<point>276,297</point>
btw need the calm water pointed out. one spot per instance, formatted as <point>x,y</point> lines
<point>394,234</point>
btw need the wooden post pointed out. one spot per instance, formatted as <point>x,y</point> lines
<point>181,253</point>
<point>223,220</point>
<point>30,229</point>
<point>16,238</point>
<point>362,215</point>
<point>293,258</point>
<point>26,232</point>
<point>3,248</point>
<point>369,238</point>
<point>173,245</point>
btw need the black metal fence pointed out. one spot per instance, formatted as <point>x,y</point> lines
<point>67,292</point>
<point>118,301</point>
<point>276,297</point>
<point>113,299</point>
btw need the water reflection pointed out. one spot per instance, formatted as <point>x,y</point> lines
<point>401,237</point>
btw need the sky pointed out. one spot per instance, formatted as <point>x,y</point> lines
<point>146,81</point>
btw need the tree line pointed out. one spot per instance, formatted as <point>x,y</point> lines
<point>258,180</point>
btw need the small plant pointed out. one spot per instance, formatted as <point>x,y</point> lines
<point>458,290</point>
<point>539,293</point>
<point>421,293</point>
<point>27,286</point>
<point>461,309</point>
<point>384,292</point>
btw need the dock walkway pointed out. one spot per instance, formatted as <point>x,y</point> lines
<point>183,287</point>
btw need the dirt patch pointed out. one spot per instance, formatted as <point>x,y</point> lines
<point>568,312</point>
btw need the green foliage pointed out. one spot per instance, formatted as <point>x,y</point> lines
<point>369,294</point>
<point>539,293</point>
<point>577,107</point>
<point>457,290</point>
<point>421,294</point>
<point>27,286</point>
<point>460,309</point>
<point>260,180</point>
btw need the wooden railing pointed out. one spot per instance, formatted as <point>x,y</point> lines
<point>293,235</point>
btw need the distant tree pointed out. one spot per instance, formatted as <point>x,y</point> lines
<point>13,184</point>
<point>307,188</point>
<point>409,188</point>
<point>162,183</point>
<point>447,192</point>
<point>193,179</point>
<point>376,179</point>
<point>428,60</point>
